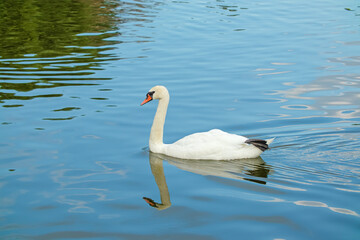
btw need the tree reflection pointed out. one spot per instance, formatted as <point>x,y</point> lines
<point>46,28</point>
<point>49,44</point>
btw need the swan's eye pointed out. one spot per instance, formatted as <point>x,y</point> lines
<point>150,94</point>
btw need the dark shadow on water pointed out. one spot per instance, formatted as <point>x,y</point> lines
<point>253,170</point>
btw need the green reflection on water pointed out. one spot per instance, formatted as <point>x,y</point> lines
<point>43,44</point>
<point>44,27</point>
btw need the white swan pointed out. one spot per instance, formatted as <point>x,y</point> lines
<point>213,145</point>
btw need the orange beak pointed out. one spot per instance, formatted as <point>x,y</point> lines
<point>150,202</point>
<point>148,99</point>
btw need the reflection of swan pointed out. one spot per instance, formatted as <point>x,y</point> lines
<point>214,145</point>
<point>234,169</point>
<point>156,164</point>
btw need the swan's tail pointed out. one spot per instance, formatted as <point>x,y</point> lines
<point>260,144</point>
<point>268,141</point>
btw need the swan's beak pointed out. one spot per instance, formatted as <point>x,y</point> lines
<point>148,99</point>
<point>150,202</point>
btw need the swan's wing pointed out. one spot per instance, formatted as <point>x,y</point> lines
<point>214,136</point>
<point>207,145</point>
<point>227,138</point>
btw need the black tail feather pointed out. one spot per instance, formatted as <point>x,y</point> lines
<point>260,144</point>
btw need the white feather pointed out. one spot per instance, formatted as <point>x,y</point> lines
<point>212,145</point>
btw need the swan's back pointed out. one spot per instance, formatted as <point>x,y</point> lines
<point>214,144</point>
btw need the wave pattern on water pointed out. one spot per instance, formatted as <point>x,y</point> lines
<point>72,76</point>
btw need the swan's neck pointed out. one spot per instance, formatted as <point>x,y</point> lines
<point>157,129</point>
<point>157,169</point>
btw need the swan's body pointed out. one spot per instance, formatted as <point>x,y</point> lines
<point>214,144</point>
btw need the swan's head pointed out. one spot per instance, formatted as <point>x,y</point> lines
<point>157,92</point>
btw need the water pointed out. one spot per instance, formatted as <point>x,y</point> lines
<point>74,157</point>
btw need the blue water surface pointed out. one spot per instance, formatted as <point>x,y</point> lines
<point>74,156</point>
